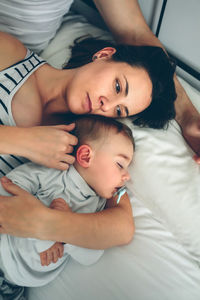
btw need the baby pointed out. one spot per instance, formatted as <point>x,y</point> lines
<point>103,154</point>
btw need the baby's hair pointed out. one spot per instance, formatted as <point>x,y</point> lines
<point>94,127</point>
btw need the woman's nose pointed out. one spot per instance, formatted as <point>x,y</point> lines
<point>107,103</point>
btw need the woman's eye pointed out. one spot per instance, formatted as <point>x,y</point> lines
<point>119,112</point>
<point>117,86</point>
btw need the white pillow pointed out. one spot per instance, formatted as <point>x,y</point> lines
<point>164,175</point>
<point>166,178</point>
<point>74,26</point>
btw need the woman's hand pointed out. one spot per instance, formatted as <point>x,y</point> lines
<point>49,145</point>
<point>188,118</point>
<point>21,214</point>
<point>191,133</point>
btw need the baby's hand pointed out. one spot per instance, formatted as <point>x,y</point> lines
<point>59,204</point>
<point>55,252</point>
<point>52,254</point>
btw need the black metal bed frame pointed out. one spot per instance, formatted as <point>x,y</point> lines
<point>178,61</point>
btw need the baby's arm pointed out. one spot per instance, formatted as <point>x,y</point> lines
<point>52,254</point>
<point>84,256</point>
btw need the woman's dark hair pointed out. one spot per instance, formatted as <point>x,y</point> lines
<point>152,59</point>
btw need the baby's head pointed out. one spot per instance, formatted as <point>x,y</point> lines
<point>103,154</point>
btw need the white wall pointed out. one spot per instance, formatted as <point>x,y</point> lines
<point>151,11</point>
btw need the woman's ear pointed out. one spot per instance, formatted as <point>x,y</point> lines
<point>104,53</point>
<point>83,155</point>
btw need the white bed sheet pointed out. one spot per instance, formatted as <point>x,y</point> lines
<point>152,267</point>
<point>155,265</point>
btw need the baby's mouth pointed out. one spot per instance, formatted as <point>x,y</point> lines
<point>115,192</point>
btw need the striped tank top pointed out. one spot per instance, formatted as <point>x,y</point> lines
<point>11,79</point>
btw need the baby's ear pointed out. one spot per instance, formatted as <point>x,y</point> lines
<point>83,155</point>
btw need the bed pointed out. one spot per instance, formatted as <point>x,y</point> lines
<point>163,260</point>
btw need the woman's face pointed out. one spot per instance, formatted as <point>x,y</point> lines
<point>108,88</point>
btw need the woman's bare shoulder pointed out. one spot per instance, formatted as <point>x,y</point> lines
<point>11,50</point>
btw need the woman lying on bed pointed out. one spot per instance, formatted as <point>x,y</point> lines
<point>115,81</point>
<point>48,145</point>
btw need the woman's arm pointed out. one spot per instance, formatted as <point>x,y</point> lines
<point>127,24</point>
<point>46,145</point>
<point>11,50</point>
<point>24,215</point>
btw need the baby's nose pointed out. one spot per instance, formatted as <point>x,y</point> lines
<point>126,176</point>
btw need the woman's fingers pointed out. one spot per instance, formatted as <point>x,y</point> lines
<point>68,127</point>
<point>50,146</point>
<point>65,163</point>
<point>10,187</point>
<point>72,139</point>
<point>70,149</point>
<point>68,159</point>
<point>22,213</point>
